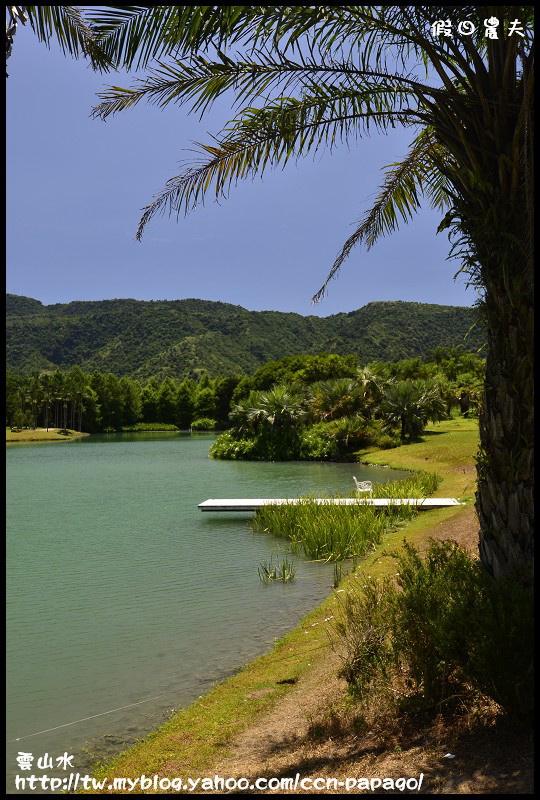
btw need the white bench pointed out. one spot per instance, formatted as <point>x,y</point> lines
<point>364,486</point>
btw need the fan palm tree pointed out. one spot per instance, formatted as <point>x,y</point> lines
<point>410,405</point>
<point>372,387</point>
<point>280,410</point>
<point>305,77</point>
<point>330,399</point>
<point>241,417</point>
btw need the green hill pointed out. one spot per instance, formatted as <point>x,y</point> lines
<point>171,337</point>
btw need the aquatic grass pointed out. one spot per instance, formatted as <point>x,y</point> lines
<point>338,574</point>
<point>327,532</point>
<point>324,532</point>
<point>420,484</point>
<point>285,571</point>
<point>144,427</point>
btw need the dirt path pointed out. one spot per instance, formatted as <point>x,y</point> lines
<point>300,735</point>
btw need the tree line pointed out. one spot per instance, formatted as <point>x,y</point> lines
<point>102,402</point>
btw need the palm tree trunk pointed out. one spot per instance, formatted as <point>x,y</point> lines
<point>504,499</point>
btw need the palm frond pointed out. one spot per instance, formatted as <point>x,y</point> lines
<point>202,81</point>
<point>67,26</point>
<point>131,36</point>
<point>134,33</point>
<point>406,181</point>
<point>272,135</point>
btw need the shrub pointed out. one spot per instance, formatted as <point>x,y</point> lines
<point>500,652</point>
<point>364,630</point>
<point>340,437</point>
<point>203,424</point>
<point>444,623</point>
<point>385,442</point>
<point>227,445</point>
<point>317,442</point>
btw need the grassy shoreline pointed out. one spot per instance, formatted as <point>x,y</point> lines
<point>42,435</point>
<point>197,737</point>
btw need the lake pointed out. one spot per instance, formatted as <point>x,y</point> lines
<point>120,590</point>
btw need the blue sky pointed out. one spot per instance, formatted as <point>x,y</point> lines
<point>76,185</point>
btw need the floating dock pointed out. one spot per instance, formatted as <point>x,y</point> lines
<point>379,502</point>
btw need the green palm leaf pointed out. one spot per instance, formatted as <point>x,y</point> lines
<point>68,27</point>
<point>422,172</point>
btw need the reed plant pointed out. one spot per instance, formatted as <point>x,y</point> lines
<point>419,484</point>
<point>338,574</point>
<point>285,571</point>
<point>328,532</point>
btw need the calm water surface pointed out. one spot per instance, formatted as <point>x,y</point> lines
<point>120,589</point>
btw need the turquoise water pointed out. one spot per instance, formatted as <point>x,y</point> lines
<point>120,589</point>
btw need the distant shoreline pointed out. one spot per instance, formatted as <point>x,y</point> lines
<point>42,435</point>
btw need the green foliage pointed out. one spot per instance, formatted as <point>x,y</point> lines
<point>323,532</point>
<point>339,438</point>
<point>284,571</point>
<point>229,446</point>
<point>203,424</point>
<point>148,426</point>
<point>442,624</point>
<point>334,533</point>
<point>363,628</point>
<point>408,406</point>
<point>205,403</point>
<point>184,404</point>
<point>419,484</point>
<point>317,443</point>
<point>279,420</point>
<point>178,337</point>
<point>501,656</point>
<point>387,442</point>
<point>273,419</point>
<point>224,389</point>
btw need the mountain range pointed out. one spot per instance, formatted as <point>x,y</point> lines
<point>173,338</point>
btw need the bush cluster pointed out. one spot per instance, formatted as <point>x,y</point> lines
<point>443,624</point>
<point>203,424</point>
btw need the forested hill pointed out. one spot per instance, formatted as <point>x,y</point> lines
<point>174,337</point>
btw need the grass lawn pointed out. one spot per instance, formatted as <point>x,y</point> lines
<point>448,448</point>
<point>41,435</point>
<point>194,739</point>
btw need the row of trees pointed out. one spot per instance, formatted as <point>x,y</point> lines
<point>99,401</point>
<point>102,402</point>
